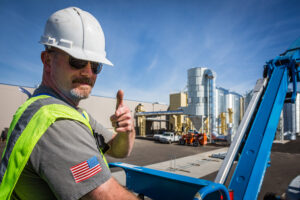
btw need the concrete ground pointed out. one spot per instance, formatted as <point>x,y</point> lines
<point>146,152</point>
<point>285,161</point>
<point>285,166</point>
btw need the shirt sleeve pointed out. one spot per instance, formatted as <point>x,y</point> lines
<point>100,129</point>
<point>63,146</point>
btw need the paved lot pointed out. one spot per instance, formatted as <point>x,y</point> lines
<point>146,152</point>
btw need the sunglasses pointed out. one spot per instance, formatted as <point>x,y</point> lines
<point>80,64</point>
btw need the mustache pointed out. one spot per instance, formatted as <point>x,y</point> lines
<point>84,80</point>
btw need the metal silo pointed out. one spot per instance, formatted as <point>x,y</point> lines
<point>221,94</point>
<point>288,126</point>
<point>201,96</point>
<point>221,110</point>
<point>297,105</point>
<point>233,102</point>
<point>289,118</point>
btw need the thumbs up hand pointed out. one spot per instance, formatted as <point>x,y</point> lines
<point>122,142</point>
<point>122,120</point>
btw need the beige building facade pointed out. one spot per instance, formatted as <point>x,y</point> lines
<point>179,123</point>
<point>101,108</point>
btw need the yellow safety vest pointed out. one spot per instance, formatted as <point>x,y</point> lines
<point>24,145</point>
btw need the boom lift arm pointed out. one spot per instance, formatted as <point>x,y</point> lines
<point>253,139</point>
<point>260,131</point>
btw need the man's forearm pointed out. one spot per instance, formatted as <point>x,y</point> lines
<point>122,144</point>
<point>110,190</point>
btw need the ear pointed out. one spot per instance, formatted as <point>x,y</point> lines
<point>46,59</point>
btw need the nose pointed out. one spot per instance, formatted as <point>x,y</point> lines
<point>87,70</point>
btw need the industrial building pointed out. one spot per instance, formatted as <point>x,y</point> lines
<point>203,107</point>
<point>289,123</point>
<point>213,110</point>
<point>101,108</point>
<point>174,118</point>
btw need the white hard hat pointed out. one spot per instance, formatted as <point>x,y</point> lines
<point>77,33</point>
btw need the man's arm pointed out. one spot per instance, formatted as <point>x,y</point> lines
<point>110,190</point>
<point>122,143</point>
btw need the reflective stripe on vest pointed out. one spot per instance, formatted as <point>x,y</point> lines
<point>28,126</point>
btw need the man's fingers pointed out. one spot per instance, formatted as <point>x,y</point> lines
<point>125,116</point>
<point>122,110</point>
<point>124,126</point>
<point>122,123</point>
<point>120,96</point>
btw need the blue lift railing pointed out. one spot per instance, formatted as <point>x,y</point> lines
<point>255,145</point>
<point>164,185</point>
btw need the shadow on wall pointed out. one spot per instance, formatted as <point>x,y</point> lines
<point>4,134</point>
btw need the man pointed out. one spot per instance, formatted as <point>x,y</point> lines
<point>55,149</point>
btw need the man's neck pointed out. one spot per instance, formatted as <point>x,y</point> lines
<point>61,94</point>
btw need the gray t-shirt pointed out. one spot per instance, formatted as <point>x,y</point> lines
<point>49,173</point>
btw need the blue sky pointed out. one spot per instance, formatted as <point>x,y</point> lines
<point>153,43</point>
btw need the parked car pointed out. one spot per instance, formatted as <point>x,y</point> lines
<point>169,137</point>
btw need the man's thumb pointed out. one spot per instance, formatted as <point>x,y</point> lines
<point>120,96</point>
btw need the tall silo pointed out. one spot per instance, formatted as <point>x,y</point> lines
<point>221,94</point>
<point>289,117</point>
<point>221,110</point>
<point>297,105</point>
<point>201,96</point>
<point>233,102</point>
<point>289,120</point>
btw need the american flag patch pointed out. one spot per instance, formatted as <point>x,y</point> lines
<point>86,169</point>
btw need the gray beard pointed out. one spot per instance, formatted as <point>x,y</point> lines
<point>76,96</point>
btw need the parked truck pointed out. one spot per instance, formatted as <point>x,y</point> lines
<point>169,137</point>
<point>157,136</point>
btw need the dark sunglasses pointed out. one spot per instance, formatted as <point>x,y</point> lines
<point>80,64</point>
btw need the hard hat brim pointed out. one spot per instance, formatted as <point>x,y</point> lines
<point>81,54</point>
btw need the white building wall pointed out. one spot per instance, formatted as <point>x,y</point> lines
<point>101,108</point>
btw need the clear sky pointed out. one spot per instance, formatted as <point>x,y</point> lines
<point>153,43</point>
